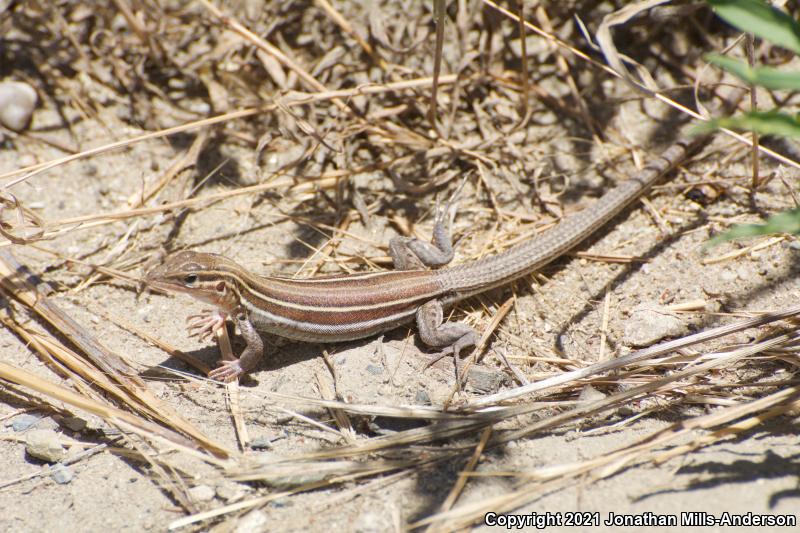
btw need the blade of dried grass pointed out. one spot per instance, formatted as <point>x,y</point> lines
<point>458,486</point>
<point>717,360</point>
<point>445,430</point>
<point>342,420</point>
<point>54,352</point>
<point>168,479</point>
<point>293,99</point>
<point>560,476</point>
<point>646,84</point>
<point>637,356</point>
<point>438,15</point>
<point>186,160</point>
<point>348,29</point>
<point>117,417</point>
<point>659,96</point>
<point>14,281</point>
<point>776,404</point>
<point>422,412</point>
<point>309,80</point>
<point>232,390</point>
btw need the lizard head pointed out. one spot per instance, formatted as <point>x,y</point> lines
<point>208,277</point>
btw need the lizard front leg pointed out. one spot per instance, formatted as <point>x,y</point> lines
<point>452,336</point>
<point>253,350</point>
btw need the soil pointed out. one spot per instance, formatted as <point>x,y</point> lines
<point>518,176</point>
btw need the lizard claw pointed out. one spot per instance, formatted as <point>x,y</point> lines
<point>205,324</point>
<point>227,371</point>
<point>456,361</point>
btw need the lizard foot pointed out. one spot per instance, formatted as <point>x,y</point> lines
<point>227,371</point>
<point>449,351</point>
<point>205,324</point>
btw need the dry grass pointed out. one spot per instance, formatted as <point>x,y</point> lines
<point>367,109</point>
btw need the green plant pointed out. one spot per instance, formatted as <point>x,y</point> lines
<point>770,24</point>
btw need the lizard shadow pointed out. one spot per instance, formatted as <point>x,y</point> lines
<point>714,473</point>
<point>729,302</point>
<point>277,356</point>
<point>279,353</point>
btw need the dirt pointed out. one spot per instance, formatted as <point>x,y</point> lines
<point>572,313</point>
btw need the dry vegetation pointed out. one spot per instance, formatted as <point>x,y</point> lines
<point>298,136</point>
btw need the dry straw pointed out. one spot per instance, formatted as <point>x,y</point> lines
<point>99,382</point>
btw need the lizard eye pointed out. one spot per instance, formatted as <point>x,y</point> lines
<point>191,279</point>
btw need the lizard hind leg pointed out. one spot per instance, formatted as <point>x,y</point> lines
<point>453,337</point>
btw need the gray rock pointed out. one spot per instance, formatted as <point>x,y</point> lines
<point>589,394</point>
<point>74,423</point>
<point>261,443</point>
<point>202,493</point>
<point>374,370</point>
<point>23,422</point>
<point>373,521</point>
<point>649,324</point>
<point>253,522</point>
<point>422,397</point>
<point>485,380</point>
<point>61,474</point>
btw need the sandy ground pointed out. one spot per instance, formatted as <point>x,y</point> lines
<point>575,310</point>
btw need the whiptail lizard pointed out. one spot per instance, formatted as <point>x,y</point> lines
<point>353,306</point>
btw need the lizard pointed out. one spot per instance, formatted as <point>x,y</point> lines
<point>354,306</point>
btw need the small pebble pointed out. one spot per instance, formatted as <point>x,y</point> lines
<point>202,493</point>
<point>485,380</point>
<point>229,491</point>
<point>61,474</point>
<point>74,423</point>
<point>44,444</point>
<point>649,324</point>
<point>373,521</point>
<point>589,394</point>
<point>253,522</point>
<point>280,504</point>
<point>17,102</point>
<point>23,422</point>
<point>26,160</point>
<point>422,397</point>
<point>374,370</point>
<point>743,273</point>
<point>261,443</point>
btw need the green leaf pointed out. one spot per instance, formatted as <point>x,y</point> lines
<point>763,122</point>
<point>785,222</point>
<point>762,76</point>
<point>760,19</point>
